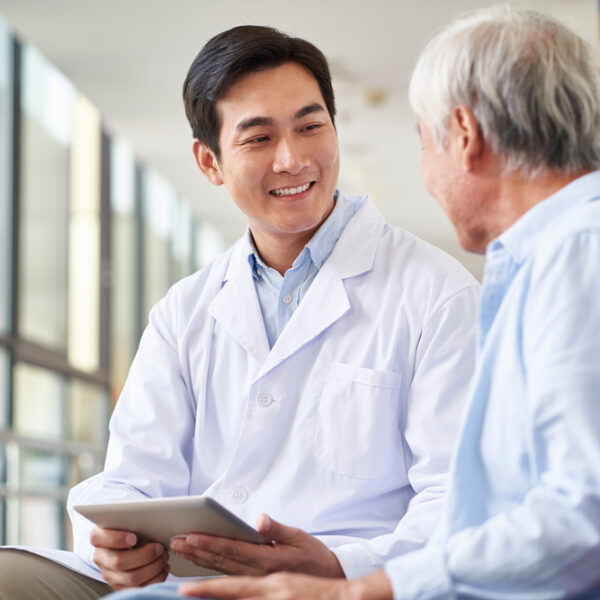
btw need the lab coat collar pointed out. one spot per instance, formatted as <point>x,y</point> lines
<point>236,306</point>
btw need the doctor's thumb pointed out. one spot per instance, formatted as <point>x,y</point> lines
<point>277,532</point>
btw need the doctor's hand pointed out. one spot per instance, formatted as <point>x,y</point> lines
<point>124,566</point>
<point>291,550</point>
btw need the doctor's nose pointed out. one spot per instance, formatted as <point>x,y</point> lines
<point>289,157</point>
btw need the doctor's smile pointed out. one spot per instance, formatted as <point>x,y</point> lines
<point>292,191</point>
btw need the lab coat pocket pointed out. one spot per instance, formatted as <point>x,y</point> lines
<point>357,432</point>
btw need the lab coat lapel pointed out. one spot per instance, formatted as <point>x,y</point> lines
<point>326,300</point>
<point>237,309</point>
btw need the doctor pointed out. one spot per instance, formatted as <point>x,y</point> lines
<point>315,372</point>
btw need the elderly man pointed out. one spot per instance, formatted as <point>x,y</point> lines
<point>508,103</point>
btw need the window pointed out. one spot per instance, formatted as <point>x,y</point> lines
<point>158,201</point>
<point>4,390</point>
<point>181,247</point>
<point>56,380</point>
<point>208,243</point>
<point>84,240</point>
<point>5,175</point>
<point>88,413</point>
<point>39,403</point>
<point>125,276</point>
<point>47,104</point>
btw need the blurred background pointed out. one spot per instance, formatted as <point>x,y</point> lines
<point>102,207</point>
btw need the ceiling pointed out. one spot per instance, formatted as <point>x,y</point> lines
<point>129,57</point>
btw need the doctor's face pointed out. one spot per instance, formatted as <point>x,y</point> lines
<point>279,153</point>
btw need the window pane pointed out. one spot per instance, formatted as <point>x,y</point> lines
<point>47,123</point>
<point>124,271</point>
<point>83,466</point>
<point>2,521</point>
<point>181,235</point>
<point>208,243</point>
<point>88,413</point>
<point>84,239</point>
<point>4,399</point>
<point>42,470</point>
<point>158,200</point>
<point>5,175</point>
<point>39,402</point>
<point>32,512</point>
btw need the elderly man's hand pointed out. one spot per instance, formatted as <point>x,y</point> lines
<point>292,550</point>
<point>279,586</point>
<point>122,565</point>
<point>288,586</point>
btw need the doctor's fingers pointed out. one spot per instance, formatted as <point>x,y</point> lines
<point>129,559</point>
<point>226,561</point>
<point>153,572</point>
<point>112,538</point>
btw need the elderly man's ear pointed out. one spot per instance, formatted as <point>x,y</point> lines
<point>207,162</point>
<point>465,137</point>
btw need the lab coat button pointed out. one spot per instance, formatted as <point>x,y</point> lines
<point>264,399</point>
<point>287,299</point>
<point>239,495</point>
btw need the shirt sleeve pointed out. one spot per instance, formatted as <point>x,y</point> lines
<point>547,545</point>
<point>443,367</point>
<point>150,432</point>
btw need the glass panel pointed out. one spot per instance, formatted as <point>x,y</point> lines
<point>2,521</point>
<point>4,390</point>
<point>47,123</point>
<point>5,177</point>
<point>2,466</point>
<point>158,201</point>
<point>35,511</point>
<point>124,260</point>
<point>83,466</point>
<point>88,413</point>
<point>42,470</point>
<point>181,242</point>
<point>84,238</point>
<point>208,243</point>
<point>39,402</point>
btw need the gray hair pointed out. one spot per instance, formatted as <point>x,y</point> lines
<point>530,82</point>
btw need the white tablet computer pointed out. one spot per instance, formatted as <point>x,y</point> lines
<point>159,519</point>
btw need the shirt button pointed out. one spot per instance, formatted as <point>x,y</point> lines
<point>264,399</point>
<point>287,299</point>
<point>239,495</point>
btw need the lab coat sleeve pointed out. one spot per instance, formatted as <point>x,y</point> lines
<point>151,429</point>
<point>443,368</point>
<point>548,545</point>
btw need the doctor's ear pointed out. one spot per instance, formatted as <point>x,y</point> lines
<point>207,162</point>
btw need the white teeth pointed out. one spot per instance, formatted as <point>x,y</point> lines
<point>291,191</point>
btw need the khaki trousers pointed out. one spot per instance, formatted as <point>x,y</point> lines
<point>25,576</point>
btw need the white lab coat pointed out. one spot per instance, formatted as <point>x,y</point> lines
<point>344,428</point>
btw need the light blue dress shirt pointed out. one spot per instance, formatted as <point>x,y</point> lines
<point>522,518</point>
<point>279,295</point>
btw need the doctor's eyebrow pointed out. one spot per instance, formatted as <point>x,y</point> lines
<point>254,122</point>
<point>307,110</point>
<point>268,122</point>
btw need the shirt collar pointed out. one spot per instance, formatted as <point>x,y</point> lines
<point>520,238</point>
<point>321,244</point>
